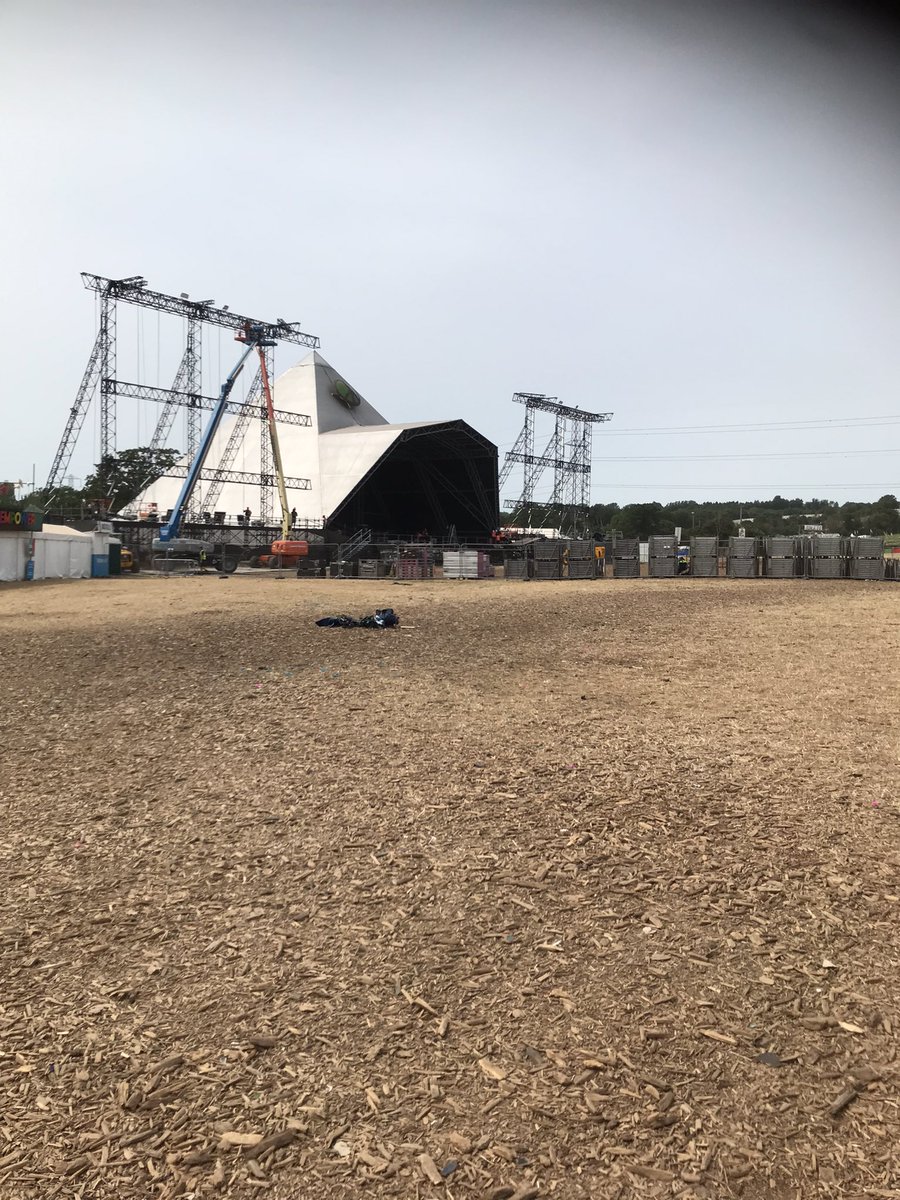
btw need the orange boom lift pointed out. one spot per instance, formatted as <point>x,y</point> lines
<point>285,552</point>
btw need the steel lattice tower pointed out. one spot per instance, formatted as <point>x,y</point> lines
<point>107,336</point>
<point>568,454</point>
<point>100,376</point>
<point>266,464</point>
<point>193,363</point>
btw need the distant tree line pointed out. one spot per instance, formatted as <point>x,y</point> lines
<point>723,517</point>
<point>119,478</point>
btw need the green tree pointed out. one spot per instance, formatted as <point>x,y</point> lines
<point>884,516</point>
<point>119,478</point>
<point>720,518</point>
<point>602,517</point>
<point>60,500</point>
<point>640,520</point>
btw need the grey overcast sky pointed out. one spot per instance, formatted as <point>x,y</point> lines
<point>685,212</point>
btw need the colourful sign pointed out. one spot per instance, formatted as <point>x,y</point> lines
<point>14,519</point>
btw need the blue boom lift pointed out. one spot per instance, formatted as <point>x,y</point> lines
<point>223,556</point>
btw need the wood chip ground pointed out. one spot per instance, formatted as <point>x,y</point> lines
<point>572,890</point>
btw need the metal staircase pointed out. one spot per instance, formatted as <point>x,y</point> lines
<point>349,550</point>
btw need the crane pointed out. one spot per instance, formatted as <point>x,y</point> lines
<point>285,553</point>
<point>223,557</point>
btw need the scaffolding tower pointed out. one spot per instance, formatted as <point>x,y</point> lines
<point>100,377</point>
<point>567,454</point>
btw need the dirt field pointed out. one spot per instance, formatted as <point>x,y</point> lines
<point>582,890</point>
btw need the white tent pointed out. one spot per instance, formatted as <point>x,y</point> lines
<point>13,555</point>
<point>59,553</point>
<point>62,553</point>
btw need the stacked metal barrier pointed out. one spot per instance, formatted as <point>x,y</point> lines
<point>371,568</point>
<point>705,557</point>
<point>742,561</point>
<point>783,557</point>
<point>581,560</point>
<point>826,556</point>
<point>516,564</point>
<point>819,556</point>
<point>460,564</point>
<point>547,559</point>
<point>467,564</point>
<point>866,557</point>
<point>626,558</point>
<point>662,560</point>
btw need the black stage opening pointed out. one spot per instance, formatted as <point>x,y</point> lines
<point>434,479</point>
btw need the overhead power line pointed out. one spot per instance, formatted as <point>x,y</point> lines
<point>738,457</point>
<point>885,488</point>
<point>761,426</point>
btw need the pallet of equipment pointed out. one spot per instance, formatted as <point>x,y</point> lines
<point>582,568</point>
<point>867,568</point>
<point>371,568</point>
<point>826,568</point>
<point>742,561</point>
<point>783,567</point>
<point>544,569</point>
<point>662,568</point>
<point>515,566</point>
<point>704,568</point>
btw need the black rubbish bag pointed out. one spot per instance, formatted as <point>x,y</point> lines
<point>384,618</point>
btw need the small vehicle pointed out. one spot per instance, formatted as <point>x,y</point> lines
<point>129,561</point>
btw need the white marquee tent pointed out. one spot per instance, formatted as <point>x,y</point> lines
<point>59,553</point>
